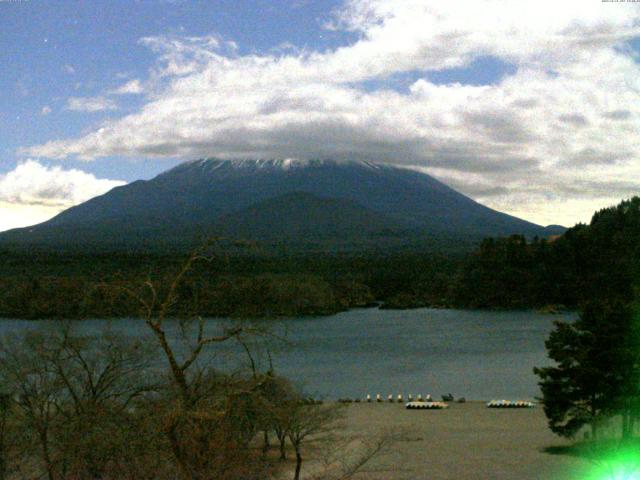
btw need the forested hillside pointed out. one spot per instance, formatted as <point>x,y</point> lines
<point>601,259</point>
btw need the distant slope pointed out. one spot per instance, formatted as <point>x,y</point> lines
<point>274,199</point>
<point>303,216</point>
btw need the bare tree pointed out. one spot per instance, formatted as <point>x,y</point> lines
<point>103,376</point>
<point>280,399</point>
<point>305,421</point>
<point>155,308</point>
<point>5,441</point>
<point>72,397</point>
<point>35,392</point>
<point>210,425</point>
<point>102,369</point>
<point>344,457</point>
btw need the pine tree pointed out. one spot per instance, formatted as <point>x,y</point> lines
<point>597,369</point>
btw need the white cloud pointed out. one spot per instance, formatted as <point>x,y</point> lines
<point>15,215</point>
<point>34,184</point>
<point>132,87</point>
<point>33,193</point>
<point>46,110</point>
<point>69,69</point>
<point>90,104</point>
<point>562,129</point>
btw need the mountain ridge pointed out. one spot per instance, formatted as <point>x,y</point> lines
<point>362,199</point>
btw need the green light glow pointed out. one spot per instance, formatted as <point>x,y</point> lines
<point>620,464</point>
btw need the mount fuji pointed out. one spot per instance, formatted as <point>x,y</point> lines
<point>314,202</point>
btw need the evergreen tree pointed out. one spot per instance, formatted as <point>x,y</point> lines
<point>597,369</point>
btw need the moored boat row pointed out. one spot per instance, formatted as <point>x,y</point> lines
<point>426,405</point>
<point>427,402</point>
<point>510,404</point>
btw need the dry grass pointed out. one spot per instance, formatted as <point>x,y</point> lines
<point>466,441</point>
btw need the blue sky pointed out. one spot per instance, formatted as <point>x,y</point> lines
<point>503,102</point>
<point>67,49</point>
<point>57,50</point>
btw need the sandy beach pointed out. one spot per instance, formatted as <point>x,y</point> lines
<point>466,441</point>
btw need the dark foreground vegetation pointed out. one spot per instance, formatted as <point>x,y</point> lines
<point>108,406</point>
<point>99,407</point>
<point>505,273</point>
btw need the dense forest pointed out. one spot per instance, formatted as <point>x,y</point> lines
<point>49,285</point>
<point>601,258</point>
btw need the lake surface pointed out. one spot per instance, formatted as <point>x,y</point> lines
<point>476,354</point>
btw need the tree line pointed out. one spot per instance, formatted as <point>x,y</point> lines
<point>601,259</point>
<point>45,284</point>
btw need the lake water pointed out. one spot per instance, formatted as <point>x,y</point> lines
<point>476,354</point>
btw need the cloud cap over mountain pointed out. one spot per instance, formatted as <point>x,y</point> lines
<point>538,140</point>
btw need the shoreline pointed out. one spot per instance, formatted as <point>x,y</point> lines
<point>376,306</point>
